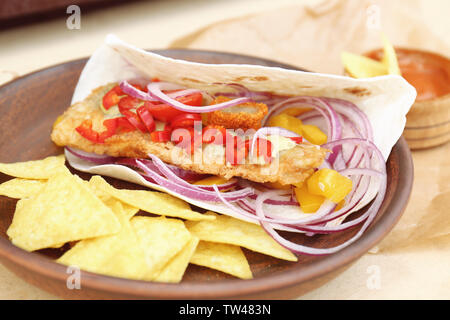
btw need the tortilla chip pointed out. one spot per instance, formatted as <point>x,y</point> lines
<point>65,210</point>
<point>225,229</point>
<point>128,211</point>
<point>119,255</point>
<point>161,239</point>
<point>174,270</point>
<point>21,188</point>
<point>36,169</point>
<point>151,201</point>
<point>223,257</point>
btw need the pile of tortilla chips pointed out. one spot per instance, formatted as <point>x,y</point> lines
<point>107,236</point>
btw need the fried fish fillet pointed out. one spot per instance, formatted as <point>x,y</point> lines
<point>292,166</point>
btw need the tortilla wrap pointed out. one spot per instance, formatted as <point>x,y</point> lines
<point>385,100</point>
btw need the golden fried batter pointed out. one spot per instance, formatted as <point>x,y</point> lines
<point>292,166</point>
<point>243,116</point>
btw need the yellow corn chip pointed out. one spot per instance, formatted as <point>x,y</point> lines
<point>390,57</point>
<point>151,201</point>
<point>223,257</point>
<point>161,239</point>
<point>119,255</point>
<point>109,200</point>
<point>361,66</point>
<point>65,210</point>
<point>128,211</point>
<point>229,230</point>
<point>36,169</point>
<point>174,270</point>
<point>21,188</point>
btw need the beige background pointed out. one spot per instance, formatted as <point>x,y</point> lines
<point>413,261</point>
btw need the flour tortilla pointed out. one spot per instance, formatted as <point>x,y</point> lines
<point>385,100</point>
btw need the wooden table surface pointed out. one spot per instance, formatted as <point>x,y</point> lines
<point>398,270</point>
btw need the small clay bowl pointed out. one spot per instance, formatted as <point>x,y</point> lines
<point>428,121</point>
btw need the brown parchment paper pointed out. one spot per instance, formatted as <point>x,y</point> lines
<point>312,37</point>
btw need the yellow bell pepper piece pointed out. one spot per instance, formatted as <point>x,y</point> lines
<point>211,180</point>
<point>295,111</point>
<point>309,203</point>
<point>313,134</point>
<point>287,122</point>
<point>340,205</point>
<point>329,184</point>
<point>277,185</point>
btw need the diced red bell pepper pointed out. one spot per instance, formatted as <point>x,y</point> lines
<point>187,138</point>
<point>185,120</point>
<point>236,149</point>
<point>123,125</point>
<point>85,129</point>
<point>214,134</point>
<point>264,148</point>
<point>146,118</point>
<point>134,120</point>
<point>127,103</point>
<point>297,139</point>
<point>112,97</point>
<point>194,99</point>
<point>164,112</point>
<point>111,126</point>
<point>160,136</point>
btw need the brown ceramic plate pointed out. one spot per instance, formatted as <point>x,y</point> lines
<point>28,107</point>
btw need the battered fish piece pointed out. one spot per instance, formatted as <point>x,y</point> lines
<point>292,165</point>
<point>244,116</point>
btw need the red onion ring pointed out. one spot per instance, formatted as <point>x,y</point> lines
<point>155,91</point>
<point>91,157</point>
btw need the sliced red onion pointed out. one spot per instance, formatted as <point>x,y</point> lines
<point>182,93</point>
<point>267,131</point>
<point>190,191</point>
<point>134,92</point>
<point>155,91</point>
<point>91,157</point>
<point>224,186</point>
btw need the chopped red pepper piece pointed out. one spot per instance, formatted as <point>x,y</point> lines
<point>146,118</point>
<point>112,97</point>
<point>85,129</point>
<point>127,103</point>
<point>185,120</point>
<point>134,120</point>
<point>236,149</point>
<point>164,112</point>
<point>214,134</point>
<point>297,139</point>
<point>194,99</point>
<point>123,125</point>
<point>187,138</point>
<point>264,148</point>
<point>160,136</point>
<point>111,126</point>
